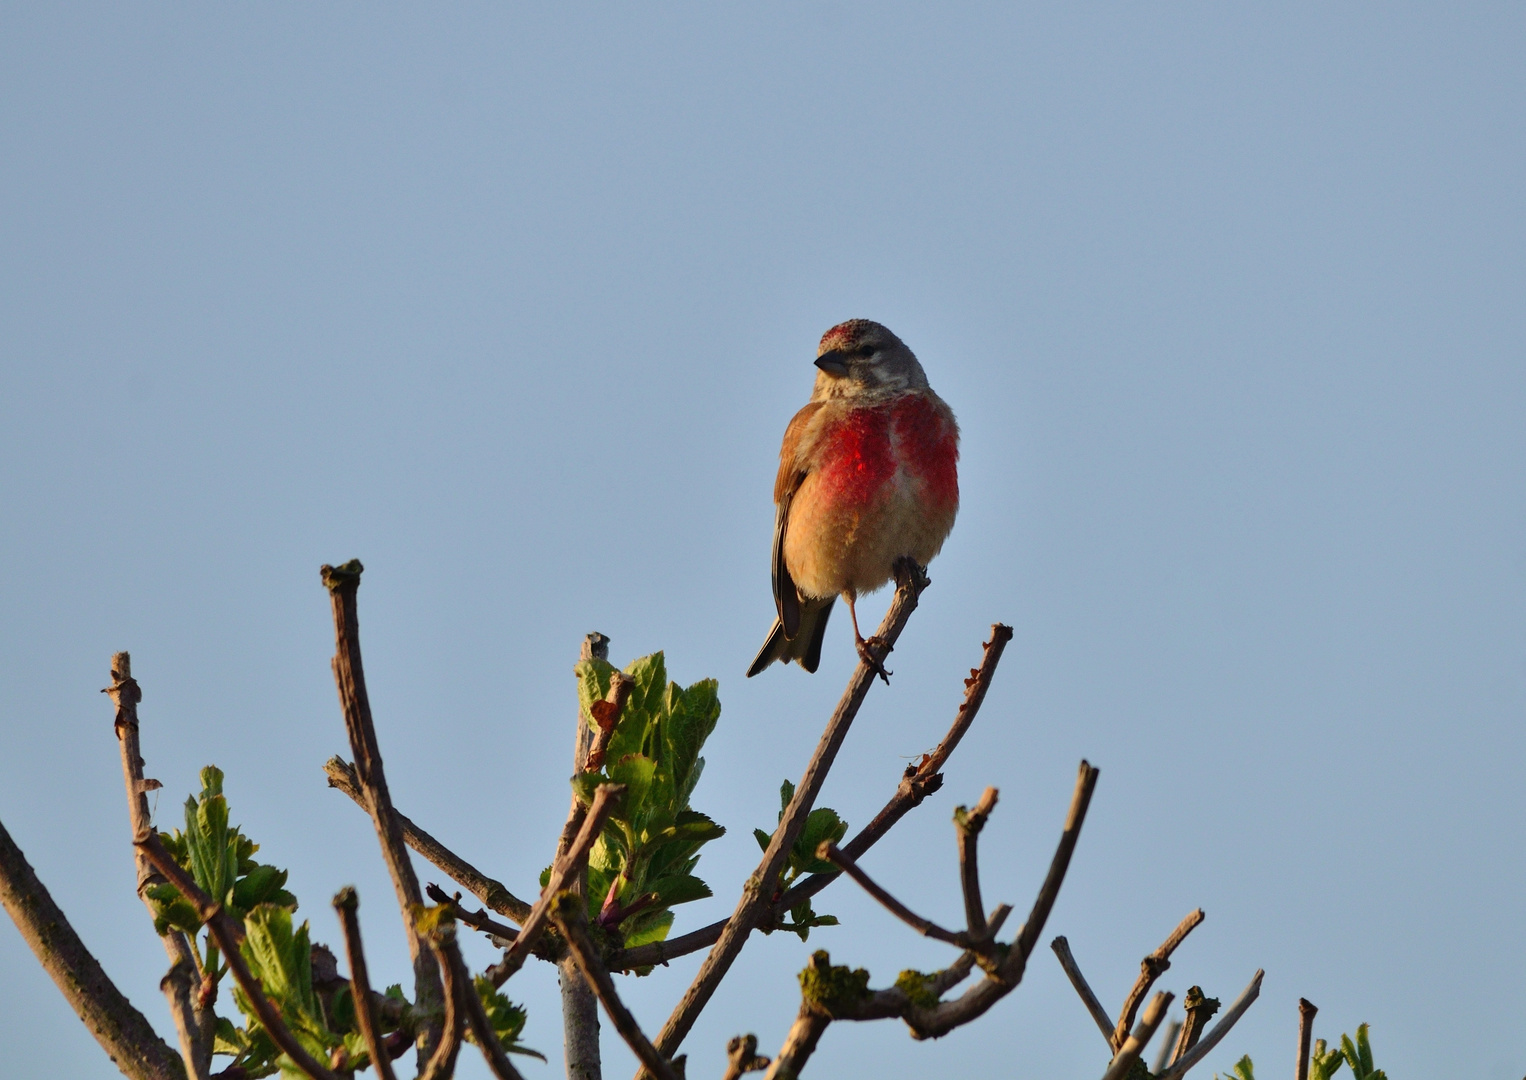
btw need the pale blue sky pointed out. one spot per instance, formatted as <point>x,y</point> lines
<point>514,305</point>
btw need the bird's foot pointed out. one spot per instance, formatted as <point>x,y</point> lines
<point>867,647</point>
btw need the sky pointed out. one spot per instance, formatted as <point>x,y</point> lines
<point>514,302</point>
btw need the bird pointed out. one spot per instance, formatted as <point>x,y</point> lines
<point>868,475</point>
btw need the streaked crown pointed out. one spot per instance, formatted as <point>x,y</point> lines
<point>861,358</point>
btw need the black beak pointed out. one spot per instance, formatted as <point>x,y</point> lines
<point>834,362</point>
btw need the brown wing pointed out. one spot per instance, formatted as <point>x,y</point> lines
<point>791,473</point>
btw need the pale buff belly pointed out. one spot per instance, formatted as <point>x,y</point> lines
<point>833,546</point>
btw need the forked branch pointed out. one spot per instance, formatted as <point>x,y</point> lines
<point>1209,1041</point>
<point>1134,1045</point>
<point>1150,969</point>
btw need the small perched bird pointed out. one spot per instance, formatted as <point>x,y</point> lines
<point>868,474</point>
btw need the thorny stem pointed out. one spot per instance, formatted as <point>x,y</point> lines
<point>197,1024</point>
<point>343,583</point>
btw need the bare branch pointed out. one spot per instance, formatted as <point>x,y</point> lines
<point>571,918</point>
<point>1167,1043</point>
<point>799,1044</point>
<point>1150,969</point>
<point>742,1057</point>
<point>607,715</point>
<point>926,927</point>
<point>125,694</point>
<point>605,798</point>
<point>442,1063</point>
<point>1227,1021</point>
<point>346,904</point>
<point>758,892</point>
<point>1306,1011</point>
<point>1017,958</point>
<point>492,893</point>
<point>1134,1045</point>
<point>178,985</point>
<point>968,824</point>
<point>1104,1022</point>
<point>123,1032</point>
<point>476,1014</point>
<point>343,582</point>
<point>226,931</point>
<point>917,782</point>
<point>1200,1010</point>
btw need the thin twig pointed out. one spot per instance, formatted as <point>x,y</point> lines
<point>123,1032</point>
<point>226,931</point>
<point>804,1034</point>
<point>492,893</point>
<point>926,927</point>
<point>1150,969</point>
<point>1227,1021</point>
<point>1017,959</point>
<point>346,904</point>
<point>607,716</point>
<point>759,890</point>
<point>1104,1022</point>
<point>968,824</point>
<point>919,780</point>
<point>199,1022</point>
<point>742,1057</point>
<point>1134,1045</point>
<point>477,920</point>
<point>1306,1011</point>
<point>605,798</point>
<point>1199,1010</point>
<point>343,583</point>
<point>571,918</point>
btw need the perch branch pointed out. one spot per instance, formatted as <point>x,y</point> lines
<point>346,904</point>
<point>758,893</point>
<point>226,931</point>
<point>125,694</point>
<point>123,1032</point>
<point>570,917</point>
<point>1104,1022</point>
<point>605,798</point>
<point>1134,1045</point>
<point>179,985</point>
<point>918,781</point>
<point>926,927</point>
<point>343,583</point>
<point>968,824</point>
<point>1227,1021</point>
<point>1150,969</point>
<point>1167,1043</point>
<point>492,893</point>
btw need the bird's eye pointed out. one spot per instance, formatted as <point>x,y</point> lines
<point>865,350</point>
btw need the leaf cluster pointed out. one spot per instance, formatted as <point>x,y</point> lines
<point>1325,1063</point>
<point>643,863</point>
<point>821,824</point>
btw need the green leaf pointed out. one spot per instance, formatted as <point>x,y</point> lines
<point>263,884</point>
<point>678,889</point>
<point>636,773</point>
<point>762,838</point>
<point>505,1018</point>
<point>593,685</point>
<point>821,824</point>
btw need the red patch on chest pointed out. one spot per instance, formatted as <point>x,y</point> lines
<point>861,452</point>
